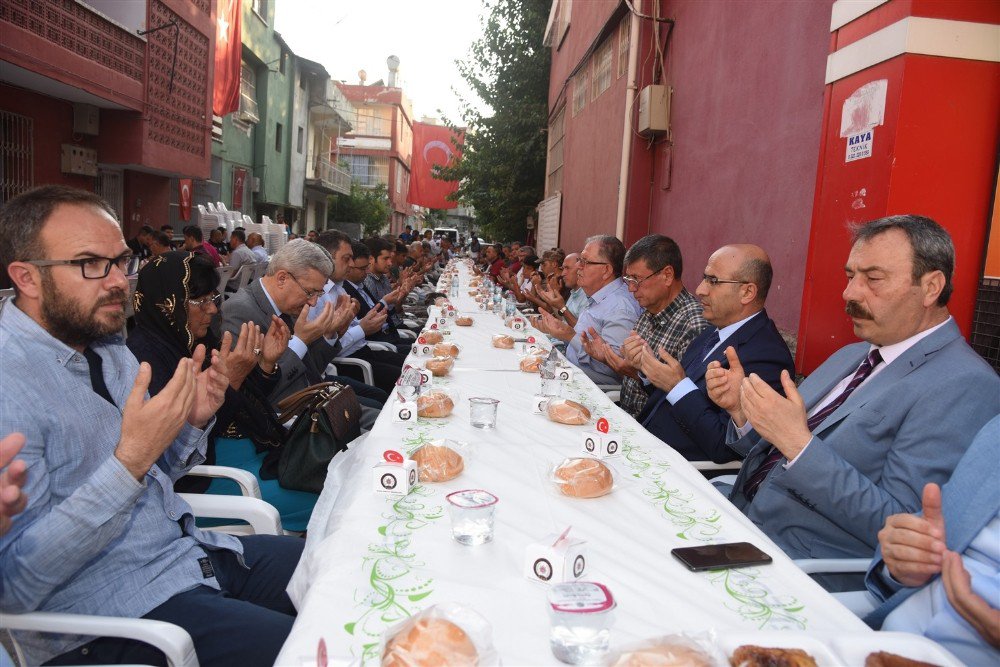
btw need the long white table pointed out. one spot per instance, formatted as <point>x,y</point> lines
<point>372,560</point>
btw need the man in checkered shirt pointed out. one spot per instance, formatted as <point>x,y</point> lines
<point>671,315</point>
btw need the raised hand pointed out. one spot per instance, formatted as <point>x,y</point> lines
<point>556,327</point>
<point>618,363</point>
<point>210,387</point>
<point>913,547</point>
<point>150,426</point>
<point>241,358</point>
<point>663,374</point>
<point>724,385</point>
<point>310,330</point>
<point>781,420</point>
<point>632,348</point>
<point>274,344</point>
<point>984,618</point>
<point>593,344</point>
<point>12,480</point>
<point>343,315</point>
<point>373,320</point>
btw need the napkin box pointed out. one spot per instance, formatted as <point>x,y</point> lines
<point>404,411</point>
<point>540,404</point>
<point>565,374</point>
<point>602,445</point>
<point>423,349</point>
<point>555,564</point>
<point>394,478</point>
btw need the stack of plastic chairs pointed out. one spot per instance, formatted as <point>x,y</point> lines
<point>275,236</point>
<point>208,220</point>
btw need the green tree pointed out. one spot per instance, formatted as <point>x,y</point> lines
<point>502,170</point>
<point>368,206</point>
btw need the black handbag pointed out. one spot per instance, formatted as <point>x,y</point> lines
<point>328,417</point>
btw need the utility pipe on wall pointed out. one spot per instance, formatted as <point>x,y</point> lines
<point>630,96</point>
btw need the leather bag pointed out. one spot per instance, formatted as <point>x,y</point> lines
<point>327,418</point>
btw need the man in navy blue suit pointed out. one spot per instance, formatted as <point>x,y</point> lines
<point>732,294</point>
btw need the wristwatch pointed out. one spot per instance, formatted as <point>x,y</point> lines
<point>562,311</point>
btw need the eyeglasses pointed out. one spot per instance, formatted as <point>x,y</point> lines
<point>361,268</point>
<point>205,302</point>
<point>587,262</point>
<point>713,281</point>
<point>310,294</point>
<point>633,283</point>
<point>95,268</point>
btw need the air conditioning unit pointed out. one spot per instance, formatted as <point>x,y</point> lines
<point>86,119</point>
<point>255,185</point>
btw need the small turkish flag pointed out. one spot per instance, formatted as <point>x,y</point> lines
<point>184,198</point>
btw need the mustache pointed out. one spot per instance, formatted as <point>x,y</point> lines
<point>116,296</point>
<point>857,311</point>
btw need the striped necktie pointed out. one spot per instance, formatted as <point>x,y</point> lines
<point>874,358</point>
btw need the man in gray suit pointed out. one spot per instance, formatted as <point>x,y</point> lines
<point>826,466</point>
<point>296,276</point>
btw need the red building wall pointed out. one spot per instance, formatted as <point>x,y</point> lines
<point>593,138</point>
<point>745,125</point>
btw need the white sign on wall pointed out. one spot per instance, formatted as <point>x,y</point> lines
<point>859,146</point>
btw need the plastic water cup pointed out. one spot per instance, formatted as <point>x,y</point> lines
<point>472,512</point>
<point>483,412</point>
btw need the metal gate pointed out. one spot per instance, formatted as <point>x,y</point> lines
<point>17,155</point>
<point>109,187</point>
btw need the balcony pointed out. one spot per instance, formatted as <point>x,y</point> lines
<point>329,179</point>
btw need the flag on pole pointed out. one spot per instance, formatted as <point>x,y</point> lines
<point>228,57</point>
<point>432,146</point>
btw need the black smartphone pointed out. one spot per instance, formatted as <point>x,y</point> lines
<point>720,556</point>
<point>379,307</point>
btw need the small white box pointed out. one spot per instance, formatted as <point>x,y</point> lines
<point>404,411</point>
<point>451,313</point>
<point>539,404</point>
<point>518,324</point>
<point>426,378</point>
<point>565,374</point>
<point>394,478</point>
<point>442,322</point>
<point>423,349</point>
<point>602,445</point>
<point>555,564</point>
<point>482,305</point>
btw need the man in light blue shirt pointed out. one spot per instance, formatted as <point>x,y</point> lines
<point>938,573</point>
<point>611,310</point>
<point>103,532</point>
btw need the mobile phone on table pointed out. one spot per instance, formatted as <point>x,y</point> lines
<point>720,556</point>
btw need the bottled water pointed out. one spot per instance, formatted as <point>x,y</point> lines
<point>549,370</point>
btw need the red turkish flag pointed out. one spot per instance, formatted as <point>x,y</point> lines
<point>184,200</point>
<point>432,146</point>
<point>228,52</point>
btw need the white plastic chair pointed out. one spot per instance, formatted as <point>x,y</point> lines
<point>225,272</point>
<point>381,345</point>
<point>406,334</point>
<point>174,641</point>
<point>861,602</point>
<point>366,368</point>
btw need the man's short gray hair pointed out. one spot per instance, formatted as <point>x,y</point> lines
<point>933,249</point>
<point>300,255</point>
<point>612,251</point>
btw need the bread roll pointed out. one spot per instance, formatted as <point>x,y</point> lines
<point>531,364</point>
<point>437,463</point>
<point>584,478</point>
<point>758,656</point>
<point>440,366</point>
<point>430,642</point>
<point>435,404</point>
<point>463,321</point>
<point>446,350</point>
<point>664,655</point>
<point>503,341</point>
<point>565,411</point>
<point>432,336</point>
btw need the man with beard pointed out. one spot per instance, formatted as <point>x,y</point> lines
<point>827,464</point>
<point>103,532</point>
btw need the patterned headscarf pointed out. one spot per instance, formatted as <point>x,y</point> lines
<point>161,297</point>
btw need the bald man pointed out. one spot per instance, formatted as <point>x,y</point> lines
<point>732,294</point>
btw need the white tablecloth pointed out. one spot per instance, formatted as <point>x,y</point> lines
<point>372,560</point>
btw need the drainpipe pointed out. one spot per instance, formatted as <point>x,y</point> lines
<point>630,96</point>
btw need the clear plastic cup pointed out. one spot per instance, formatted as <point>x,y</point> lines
<point>581,617</point>
<point>472,513</point>
<point>483,412</point>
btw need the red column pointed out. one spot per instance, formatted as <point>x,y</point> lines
<point>920,83</point>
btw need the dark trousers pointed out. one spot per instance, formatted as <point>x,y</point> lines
<point>245,623</point>
<point>386,367</point>
<point>368,395</point>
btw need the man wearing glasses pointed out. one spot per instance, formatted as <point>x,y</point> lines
<point>611,311</point>
<point>103,532</point>
<point>671,316</point>
<point>679,412</point>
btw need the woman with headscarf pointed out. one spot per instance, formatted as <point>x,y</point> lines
<point>175,300</point>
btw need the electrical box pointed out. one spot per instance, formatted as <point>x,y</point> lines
<point>86,119</point>
<point>654,109</point>
<point>79,160</point>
